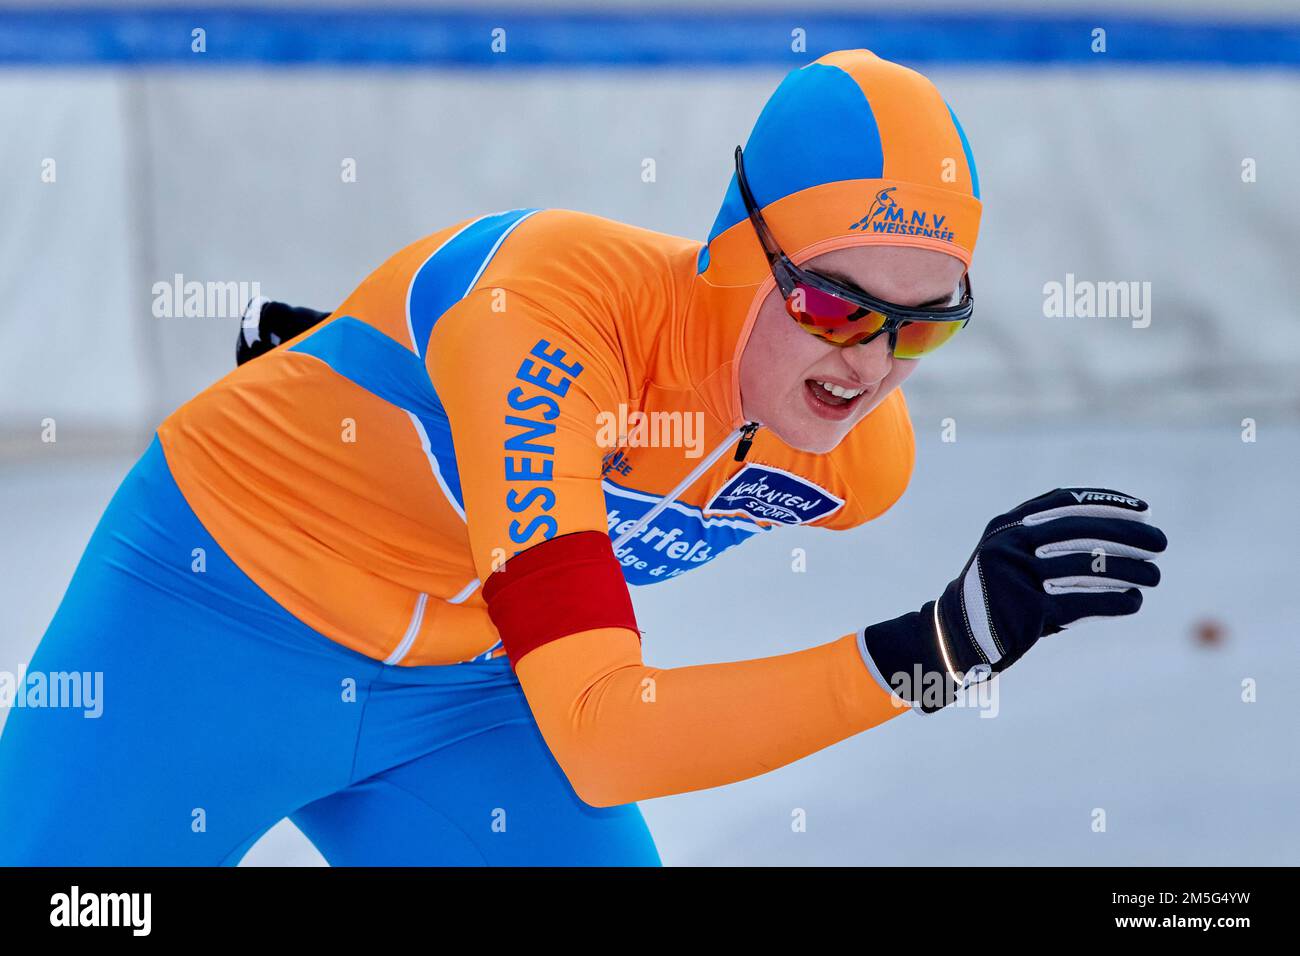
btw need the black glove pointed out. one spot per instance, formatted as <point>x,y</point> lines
<point>1072,554</point>
<point>266,324</point>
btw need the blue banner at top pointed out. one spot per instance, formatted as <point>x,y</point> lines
<point>506,39</point>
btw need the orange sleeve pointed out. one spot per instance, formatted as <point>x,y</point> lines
<point>521,396</point>
<point>624,731</point>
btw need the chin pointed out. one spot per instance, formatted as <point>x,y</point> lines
<point>815,438</point>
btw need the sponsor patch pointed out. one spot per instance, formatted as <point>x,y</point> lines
<point>1106,497</point>
<point>770,494</point>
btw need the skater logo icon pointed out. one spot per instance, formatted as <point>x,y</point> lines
<point>887,215</point>
<point>885,204</point>
<point>770,494</point>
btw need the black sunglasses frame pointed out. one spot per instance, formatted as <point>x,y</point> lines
<point>787,275</point>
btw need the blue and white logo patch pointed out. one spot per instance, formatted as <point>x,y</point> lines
<point>770,494</point>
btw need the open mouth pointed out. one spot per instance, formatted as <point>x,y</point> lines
<point>830,400</point>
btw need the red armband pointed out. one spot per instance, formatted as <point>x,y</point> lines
<point>563,586</point>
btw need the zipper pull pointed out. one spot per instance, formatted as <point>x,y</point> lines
<point>746,439</point>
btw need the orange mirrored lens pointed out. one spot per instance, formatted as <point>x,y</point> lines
<point>920,338</point>
<point>843,323</point>
<point>831,318</point>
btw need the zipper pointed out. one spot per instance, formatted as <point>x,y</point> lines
<point>745,436</point>
<point>746,439</point>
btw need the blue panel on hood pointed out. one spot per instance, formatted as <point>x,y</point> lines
<point>816,128</point>
<point>970,157</point>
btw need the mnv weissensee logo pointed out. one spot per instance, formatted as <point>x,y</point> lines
<point>887,215</point>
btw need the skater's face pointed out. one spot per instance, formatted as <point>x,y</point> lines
<point>784,370</point>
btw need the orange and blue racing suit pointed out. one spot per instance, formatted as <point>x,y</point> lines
<point>377,580</point>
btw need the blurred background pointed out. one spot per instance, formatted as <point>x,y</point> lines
<point>297,144</point>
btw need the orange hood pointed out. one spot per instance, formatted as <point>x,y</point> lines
<point>850,150</point>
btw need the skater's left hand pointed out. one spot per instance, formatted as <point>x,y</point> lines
<point>1069,555</point>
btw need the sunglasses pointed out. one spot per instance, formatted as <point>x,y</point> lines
<point>843,315</point>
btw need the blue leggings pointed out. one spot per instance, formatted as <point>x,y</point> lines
<point>207,713</point>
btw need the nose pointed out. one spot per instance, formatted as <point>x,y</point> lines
<point>869,363</point>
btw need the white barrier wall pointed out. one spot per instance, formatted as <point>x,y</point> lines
<point>233,176</point>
